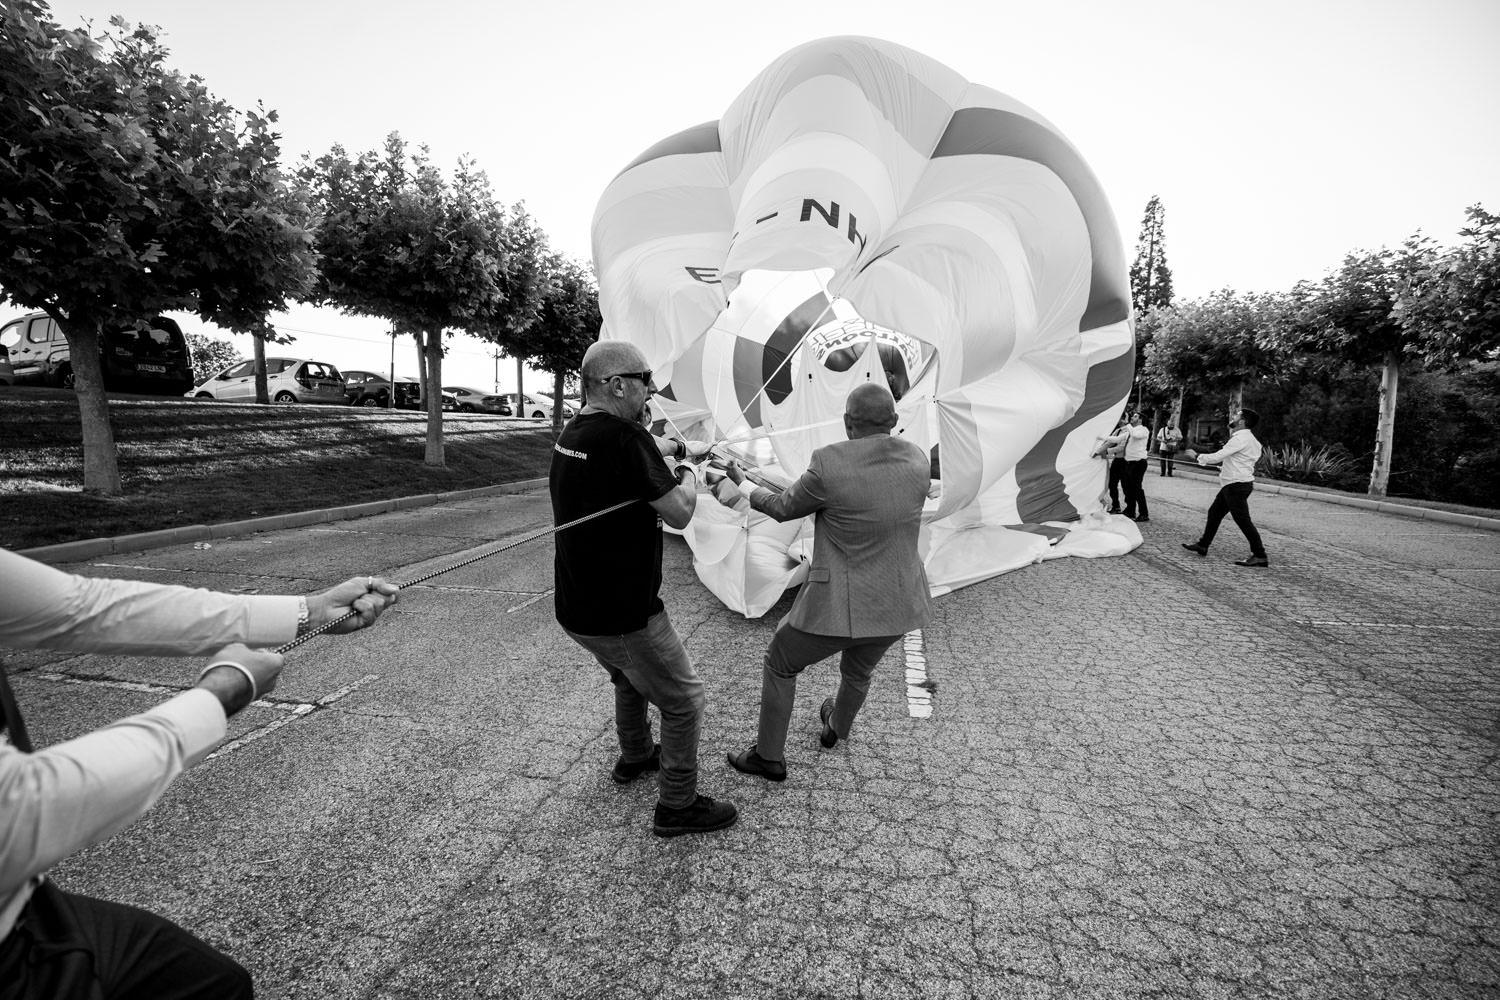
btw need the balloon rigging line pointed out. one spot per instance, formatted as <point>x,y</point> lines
<point>533,536</point>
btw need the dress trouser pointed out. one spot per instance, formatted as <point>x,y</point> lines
<point>1116,475</point>
<point>71,947</point>
<point>1233,499</point>
<point>651,667</point>
<point>791,651</point>
<point>1133,483</point>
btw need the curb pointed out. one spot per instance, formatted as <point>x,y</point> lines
<point>1367,503</point>
<point>92,548</point>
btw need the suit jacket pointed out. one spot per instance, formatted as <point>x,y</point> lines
<point>866,577</point>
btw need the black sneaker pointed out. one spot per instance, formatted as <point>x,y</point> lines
<point>626,771</point>
<point>703,816</point>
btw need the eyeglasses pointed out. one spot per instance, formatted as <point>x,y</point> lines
<point>645,377</point>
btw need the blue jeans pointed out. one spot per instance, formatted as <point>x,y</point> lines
<point>651,667</point>
<point>792,651</point>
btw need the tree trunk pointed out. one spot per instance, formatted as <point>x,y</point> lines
<point>557,403</point>
<point>1237,398</point>
<point>262,390</point>
<point>520,399</point>
<point>1385,430</point>
<point>101,465</point>
<point>434,351</point>
<point>427,394</point>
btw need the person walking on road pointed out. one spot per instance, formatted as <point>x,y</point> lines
<point>866,586</point>
<point>1236,461</point>
<point>608,579</point>
<point>1168,442</point>
<point>1137,442</point>
<point>56,801</point>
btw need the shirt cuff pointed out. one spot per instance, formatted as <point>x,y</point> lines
<point>271,621</point>
<point>746,487</point>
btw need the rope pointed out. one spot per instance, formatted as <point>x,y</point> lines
<point>514,542</point>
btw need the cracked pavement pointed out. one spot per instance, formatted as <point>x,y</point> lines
<point>1151,776</point>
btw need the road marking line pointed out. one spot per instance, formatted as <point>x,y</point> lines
<point>918,688</point>
<point>1439,628</point>
<point>298,712</point>
<point>527,604</point>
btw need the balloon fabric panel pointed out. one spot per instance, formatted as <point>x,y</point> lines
<point>861,212</point>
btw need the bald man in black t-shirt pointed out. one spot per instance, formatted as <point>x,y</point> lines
<point>608,579</point>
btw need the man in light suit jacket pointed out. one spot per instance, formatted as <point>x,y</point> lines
<point>866,586</point>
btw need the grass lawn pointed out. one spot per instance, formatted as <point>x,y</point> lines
<point>196,462</point>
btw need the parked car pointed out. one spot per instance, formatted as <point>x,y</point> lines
<point>153,360</point>
<point>469,400</point>
<point>7,373</point>
<point>536,407</point>
<point>362,388</point>
<point>288,380</point>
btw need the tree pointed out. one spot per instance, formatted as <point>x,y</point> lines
<point>1150,277</point>
<point>1452,305</point>
<point>568,322</point>
<point>1351,315</point>
<point>128,190</point>
<point>210,354</point>
<point>1218,344</point>
<point>398,242</point>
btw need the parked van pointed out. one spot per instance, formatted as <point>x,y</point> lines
<point>154,360</point>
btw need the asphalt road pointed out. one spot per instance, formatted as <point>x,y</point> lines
<point>1151,776</point>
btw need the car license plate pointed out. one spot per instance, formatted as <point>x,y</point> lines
<point>162,369</point>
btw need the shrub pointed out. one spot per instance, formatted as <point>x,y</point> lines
<point>1325,465</point>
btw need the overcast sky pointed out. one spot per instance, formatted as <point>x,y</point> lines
<point>1279,135</point>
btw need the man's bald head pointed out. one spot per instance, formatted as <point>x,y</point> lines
<point>870,409</point>
<point>610,357</point>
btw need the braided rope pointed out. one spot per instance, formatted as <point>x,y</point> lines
<point>512,543</point>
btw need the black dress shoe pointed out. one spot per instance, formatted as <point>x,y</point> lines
<point>751,762</point>
<point>1260,561</point>
<point>1195,547</point>
<point>626,771</point>
<point>1115,509</point>
<point>827,737</point>
<point>1142,520</point>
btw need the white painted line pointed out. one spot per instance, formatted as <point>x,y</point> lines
<point>1435,628</point>
<point>918,687</point>
<point>295,707</point>
<point>301,710</point>
<point>527,604</point>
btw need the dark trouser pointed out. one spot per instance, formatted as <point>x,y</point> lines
<point>72,947</point>
<point>791,651</point>
<point>1133,482</point>
<point>1233,499</point>
<point>1166,463</point>
<point>1116,474</point>
<point>651,666</point>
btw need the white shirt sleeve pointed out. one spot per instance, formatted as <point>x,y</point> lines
<point>44,608</point>
<point>57,801</point>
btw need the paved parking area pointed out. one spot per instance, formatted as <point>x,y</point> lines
<point>1153,776</point>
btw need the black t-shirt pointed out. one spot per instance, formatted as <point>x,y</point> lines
<point>607,572</point>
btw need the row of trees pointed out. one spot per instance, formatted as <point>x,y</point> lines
<point>1421,308</point>
<point>128,190</point>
